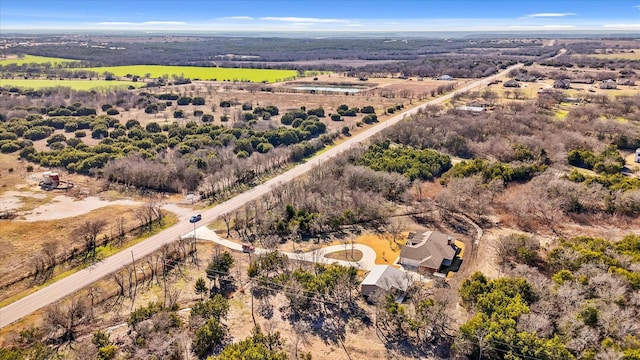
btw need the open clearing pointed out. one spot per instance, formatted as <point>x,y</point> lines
<point>32,59</point>
<point>199,72</point>
<point>87,85</point>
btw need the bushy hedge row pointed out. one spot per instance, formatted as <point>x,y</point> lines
<point>494,170</point>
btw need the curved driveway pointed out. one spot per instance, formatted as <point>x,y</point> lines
<point>85,277</point>
<point>367,262</point>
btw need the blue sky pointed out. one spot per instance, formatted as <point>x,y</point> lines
<point>313,15</point>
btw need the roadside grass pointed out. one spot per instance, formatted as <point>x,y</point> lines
<point>33,59</point>
<point>107,250</point>
<point>347,255</point>
<point>199,73</point>
<point>102,252</point>
<point>87,85</point>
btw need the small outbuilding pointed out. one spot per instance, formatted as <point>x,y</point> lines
<point>609,84</point>
<point>511,83</point>
<point>562,84</point>
<point>384,278</point>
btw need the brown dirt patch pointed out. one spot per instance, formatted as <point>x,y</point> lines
<point>347,255</point>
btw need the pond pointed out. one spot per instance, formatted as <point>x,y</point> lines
<point>328,89</point>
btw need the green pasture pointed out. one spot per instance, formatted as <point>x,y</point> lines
<point>31,59</point>
<point>74,84</point>
<point>201,73</point>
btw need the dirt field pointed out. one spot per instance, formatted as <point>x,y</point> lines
<point>382,93</point>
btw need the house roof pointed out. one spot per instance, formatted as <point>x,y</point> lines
<point>471,108</point>
<point>511,83</point>
<point>430,250</point>
<point>387,277</point>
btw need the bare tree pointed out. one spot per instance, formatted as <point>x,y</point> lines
<point>88,232</point>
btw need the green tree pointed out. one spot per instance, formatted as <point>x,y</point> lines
<point>219,267</point>
<point>258,346</point>
<point>209,336</point>
<point>200,287</point>
<point>215,308</point>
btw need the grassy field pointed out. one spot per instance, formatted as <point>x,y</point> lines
<point>201,73</point>
<point>29,59</point>
<point>626,56</point>
<point>74,84</point>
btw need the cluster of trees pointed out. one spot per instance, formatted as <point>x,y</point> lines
<point>494,170</point>
<point>337,196</point>
<point>202,51</point>
<point>186,152</point>
<point>424,164</point>
<point>578,301</point>
<point>609,161</point>
<point>496,331</point>
<point>321,294</point>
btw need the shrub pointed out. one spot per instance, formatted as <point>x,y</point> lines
<point>9,147</point>
<point>131,123</point>
<point>198,101</point>
<point>336,117</point>
<point>184,101</point>
<point>99,132</point>
<point>207,118</point>
<point>80,134</point>
<point>153,127</point>
<point>370,119</point>
<point>319,112</point>
<point>247,106</point>
<point>178,114</point>
<point>368,110</point>
<point>38,133</point>
<point>113,111</point>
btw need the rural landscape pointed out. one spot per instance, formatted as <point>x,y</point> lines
<point>386,195</point>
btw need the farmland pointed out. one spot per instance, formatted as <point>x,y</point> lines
<point>202,73</point>
<point>86,85</point>
<point>32,59</point>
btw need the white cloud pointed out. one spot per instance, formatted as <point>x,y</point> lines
<point>237,18</point>
<point>143,23</point>
<point>621,26</point>
<point>550,15</point>
<point>542,27</point>
<point>303,19</point>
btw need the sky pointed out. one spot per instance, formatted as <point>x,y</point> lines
<point>319,15</point>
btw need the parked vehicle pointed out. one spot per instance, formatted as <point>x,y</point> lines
<point>248,248</point>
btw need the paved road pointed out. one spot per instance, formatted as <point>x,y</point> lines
<point>83,278</point>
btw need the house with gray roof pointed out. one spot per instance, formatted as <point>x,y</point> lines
<point>384,278</point>
<point>429,252</point>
